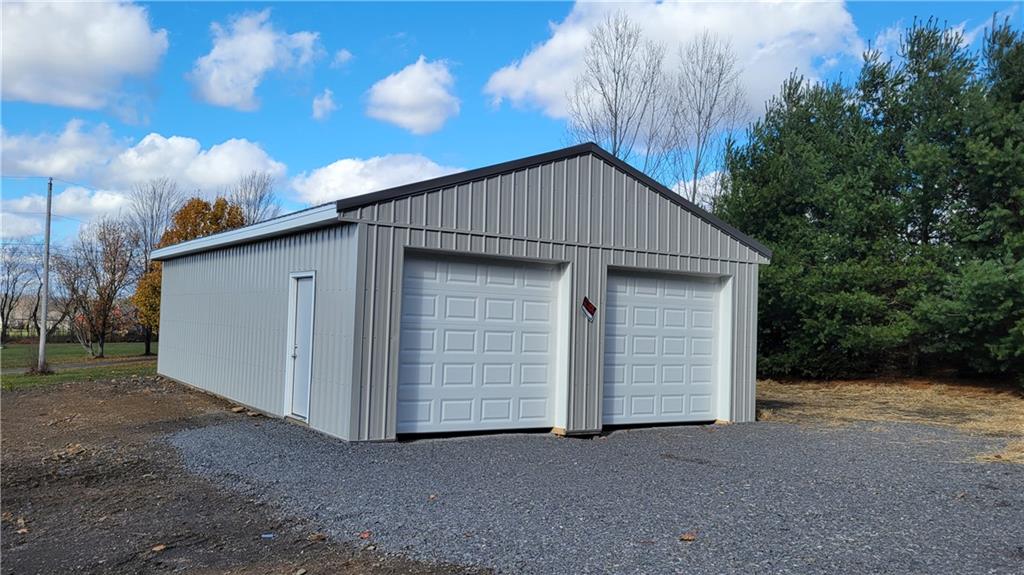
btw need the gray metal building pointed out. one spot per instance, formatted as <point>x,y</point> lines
<point>564,291</point>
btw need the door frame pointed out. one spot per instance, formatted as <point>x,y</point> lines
<point>560,358</point>
<point>289,372</point>
<point>722,341</point>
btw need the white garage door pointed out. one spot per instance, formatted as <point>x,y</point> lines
<point>659,358</point>
<point>477,346</point>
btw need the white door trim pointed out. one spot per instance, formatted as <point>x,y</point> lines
<point>289,376</point>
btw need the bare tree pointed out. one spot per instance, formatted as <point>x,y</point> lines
<point>710,104</point>
<point>254,193</point>
<point>15,277</point>
<point>57,305</point>
<point>151,205</point>
<point>94,274</point>
<point>620,100</point>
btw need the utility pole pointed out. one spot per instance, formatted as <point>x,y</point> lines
<point>46,282</point>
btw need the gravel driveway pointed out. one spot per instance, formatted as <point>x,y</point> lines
<point>759,497</point>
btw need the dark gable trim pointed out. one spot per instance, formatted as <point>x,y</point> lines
<point>572,151</point>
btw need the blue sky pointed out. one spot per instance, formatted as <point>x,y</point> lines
<point>204,92</point>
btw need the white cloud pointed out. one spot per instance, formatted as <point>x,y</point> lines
<point>184,160</point>
<point>95,157</point>
<point>74,201</point>
<point>76,54</point>
<point>708,186</point>
<point>887,41</point>
<point>355,176</point>
<point>323,105</point>
<point>770,39</point>
<point>77,152</point>
<point>242,54</point>
<point>18,226</point>
<point>417,97</point>
<point>341,57</point>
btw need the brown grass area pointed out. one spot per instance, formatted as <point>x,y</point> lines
<point>971,408</point>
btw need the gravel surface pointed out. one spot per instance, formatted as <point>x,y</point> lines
<point>759,497</point>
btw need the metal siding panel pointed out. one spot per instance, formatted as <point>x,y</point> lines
<point>532,208</point>
<point>558,201</point>
<point>572,199</point>
<point>529,214</point>
<point>477,206</point>
<point>492,206</point>
<point>212,339</point>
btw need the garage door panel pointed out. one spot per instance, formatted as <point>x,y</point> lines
<point>477,346</point>
<point>659,349</point>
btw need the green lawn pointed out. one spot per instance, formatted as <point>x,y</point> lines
<point>140,368</point>
<point>24,354</point>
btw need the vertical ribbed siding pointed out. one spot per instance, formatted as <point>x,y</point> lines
<point>579,200</point>
<point>582,212</point>
<point>224,316</point>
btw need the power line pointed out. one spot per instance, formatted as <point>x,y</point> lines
<point>68,182</point>
<point>21,213</point>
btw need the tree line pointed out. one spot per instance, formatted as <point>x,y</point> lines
<point>103,281</point>
<point>894,203</point>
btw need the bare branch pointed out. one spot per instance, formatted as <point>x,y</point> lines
<point>620,99</point>
<point>254,194</point>
<point>710,105</point>
<point>151,205</point>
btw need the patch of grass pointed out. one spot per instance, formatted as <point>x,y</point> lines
<point>19,381</point>
<point>994,411</point>
<point>25,354</point>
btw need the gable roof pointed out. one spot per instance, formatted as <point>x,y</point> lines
<point>327,214</point>
<point>572,151</point>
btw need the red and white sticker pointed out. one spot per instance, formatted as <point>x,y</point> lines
<point>589,309</point>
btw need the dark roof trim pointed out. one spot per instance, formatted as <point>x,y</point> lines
<point>564,153</point>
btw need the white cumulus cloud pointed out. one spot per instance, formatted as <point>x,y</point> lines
<point>771,40</point>
<point>355,176</point>
<point>76,54</point>
<point>417,97</point>
<point>95,157</point>
<point>112,166</point>
<point>76,152</point>
<point>243,53</point>
<point>183,160</point>
<point>72,201</point>
<point>18,225</point>
<point>341,57</point>
<point>323,105</point>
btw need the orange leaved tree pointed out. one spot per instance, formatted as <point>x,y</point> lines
<point>196,218</point>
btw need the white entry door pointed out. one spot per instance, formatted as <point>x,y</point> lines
<point>477,346</point>
<point>660,349</point>
<point>302,346</point>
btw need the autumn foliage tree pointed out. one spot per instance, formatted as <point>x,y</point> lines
<point>196,218</point>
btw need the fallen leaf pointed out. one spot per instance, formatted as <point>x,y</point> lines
<point>365,534</point>
<point>158,548</point>
<point>432,497</point>
<point>688,536</point>
<point>237,409</point>
<point>300,572</point>
<point>22,531</point>
<point>316,537</point>
<point>253,413</point>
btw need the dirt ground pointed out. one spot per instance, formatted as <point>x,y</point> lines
<point>86,489</point>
